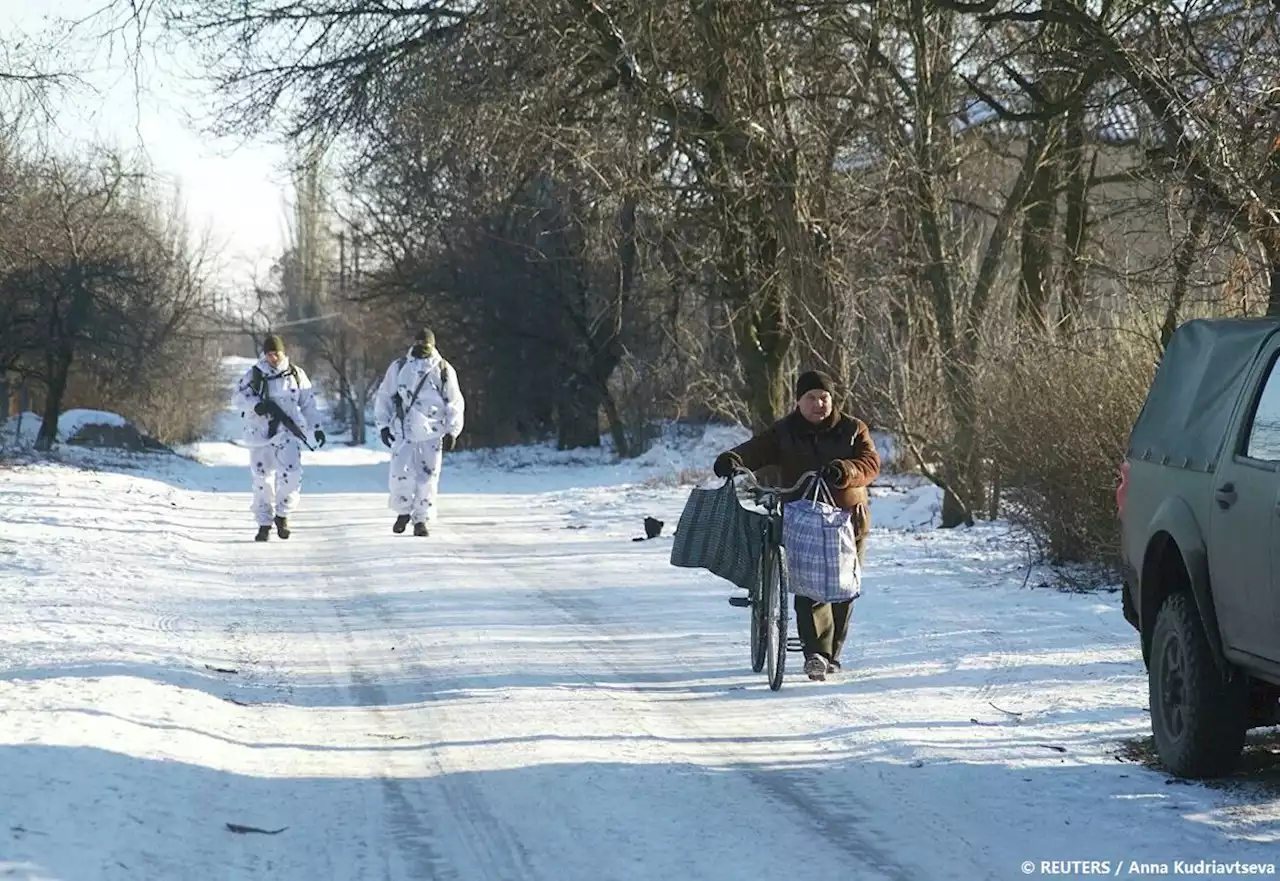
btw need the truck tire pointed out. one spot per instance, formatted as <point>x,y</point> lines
<point>1199,720</point>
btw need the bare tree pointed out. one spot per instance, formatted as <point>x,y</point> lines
<point>32,75</point>
<point>90,279</point>
<point>1197,79</point>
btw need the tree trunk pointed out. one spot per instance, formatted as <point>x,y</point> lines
<point>1039,220</point>
<point>1183,260</point>
<point>997,491</point>
<point>606,353</point>
<point>1273,274</point>
<point>954,511</point>
<point>622,445</point>
<point>756,297</point>
<point>960,372</point>
<point>965,490</point>
<point>761,357</point>
<point>1076,221</point>
<point>607,345</point>
<point>360,431</point>
<point>578,411</point>
<point>59,367</point>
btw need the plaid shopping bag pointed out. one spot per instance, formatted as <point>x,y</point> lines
<point>717,534</point>
<point>822,549</point>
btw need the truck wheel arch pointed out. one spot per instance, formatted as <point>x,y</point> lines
<point>1177,543</point>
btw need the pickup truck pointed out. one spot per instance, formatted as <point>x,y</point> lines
<point>1199,509</point>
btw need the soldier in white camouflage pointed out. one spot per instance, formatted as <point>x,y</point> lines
<point>419,413</point>
<point>279,409</point>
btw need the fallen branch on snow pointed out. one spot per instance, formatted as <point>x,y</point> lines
<point>244,830</point>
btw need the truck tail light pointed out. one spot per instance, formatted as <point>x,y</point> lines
<point>1122,488</point>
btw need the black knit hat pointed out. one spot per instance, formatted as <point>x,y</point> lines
<point>273,343</point>
<point>814,379</point>
<point>426,337</point>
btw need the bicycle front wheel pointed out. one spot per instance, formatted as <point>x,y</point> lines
<point>775,601</point>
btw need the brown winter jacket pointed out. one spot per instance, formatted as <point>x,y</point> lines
<point>795,445</point>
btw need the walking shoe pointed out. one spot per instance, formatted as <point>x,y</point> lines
<point>282,527</point>
<point>816,668</point>
<point>833,667</point>
<point>264,533</point>
<point>419,528</point>
<point>401,522</point>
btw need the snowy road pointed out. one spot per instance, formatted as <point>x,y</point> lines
<point>528,694</point>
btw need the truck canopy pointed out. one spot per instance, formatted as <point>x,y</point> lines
<point>1184,420</point>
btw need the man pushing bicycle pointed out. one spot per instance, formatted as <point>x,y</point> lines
<point>815,436</point>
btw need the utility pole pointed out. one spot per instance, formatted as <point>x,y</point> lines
<point>359,372</point>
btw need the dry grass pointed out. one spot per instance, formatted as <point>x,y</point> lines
<point>174,401</point>
<point>1060,422</point>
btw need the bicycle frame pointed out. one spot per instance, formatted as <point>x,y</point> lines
<point>770,498</point>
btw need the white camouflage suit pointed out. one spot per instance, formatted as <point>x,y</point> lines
<point>417,451</point>
<point>276,461</point>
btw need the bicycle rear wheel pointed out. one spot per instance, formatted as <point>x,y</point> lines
<point>760,617</point>
<point>775,603</point>
<point>759,628</point>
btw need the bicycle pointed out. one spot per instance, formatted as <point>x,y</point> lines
<point>770,615</point>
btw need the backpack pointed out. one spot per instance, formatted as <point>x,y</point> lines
<point>259,385</point>
<point>444,377</point>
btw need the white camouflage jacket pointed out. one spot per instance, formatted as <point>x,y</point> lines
<point>436,410</point>
<point>285,384</point>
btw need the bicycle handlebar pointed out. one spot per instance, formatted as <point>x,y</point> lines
<point>756,485</point>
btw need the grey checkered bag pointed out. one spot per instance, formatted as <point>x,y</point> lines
<point>717,534</point>
<point>822,549</point>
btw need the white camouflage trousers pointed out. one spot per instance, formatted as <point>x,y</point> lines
<point>277,478</point>
<point>415,478</point>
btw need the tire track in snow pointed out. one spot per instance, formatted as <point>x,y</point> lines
<point>255,648</point>
<point>444,825</point>
<point>851,823</point>
<point>1001,677</point>
<point>499,852</point>
<point>810,811</point>
<point>417,828</point>
<point>839,827</point>
<point>493,852</point>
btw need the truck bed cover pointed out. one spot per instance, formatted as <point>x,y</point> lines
<point>1184,419</point>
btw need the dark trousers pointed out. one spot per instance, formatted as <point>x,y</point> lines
<point>822,627</point>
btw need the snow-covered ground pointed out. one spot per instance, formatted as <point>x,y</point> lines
<point>530,694</point>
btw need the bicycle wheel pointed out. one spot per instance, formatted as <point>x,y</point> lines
<point>759,627</point>
<point>775,591</point>
<point>759,618</point>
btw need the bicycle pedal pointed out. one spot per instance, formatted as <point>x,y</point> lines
<point>740,602</point>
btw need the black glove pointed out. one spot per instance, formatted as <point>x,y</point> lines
<point>387,438</point>
<point>725,463</point>
<point>447,443</point>
<point>262,408</point>
<point>319,438</point>
<point>833,473</point>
